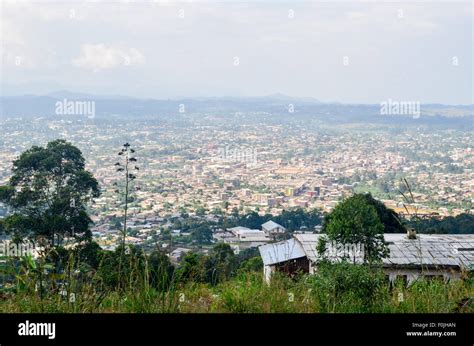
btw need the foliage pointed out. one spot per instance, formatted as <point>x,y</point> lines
<point>220,265</point>
<point>48,192</point>
<point>119,268</point>
<point>254,264</point>
<point>355,221</point>
<point>191,268</point>
<point>125,167</point>
<point>347,287</point>
<point>202,234</point>
<point>460,224</point>
<point>388,217</point>
<point>335,288</point>
<point>291,219</point>
<point>161,270</point>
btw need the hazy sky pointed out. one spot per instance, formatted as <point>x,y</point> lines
<point>351,51</point>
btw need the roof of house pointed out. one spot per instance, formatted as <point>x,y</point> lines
<point>271,225</point>
<point>427,249</point>
<point>180,250</point>
<point>238,229</point>
<point>431,249</point>
<point>281,251</point>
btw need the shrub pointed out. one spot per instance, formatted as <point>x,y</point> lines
<point>345,287</point>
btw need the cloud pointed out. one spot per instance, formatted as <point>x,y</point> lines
<point>278,52</point>
<point>100,56</point>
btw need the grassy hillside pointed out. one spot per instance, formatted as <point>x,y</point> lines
<point>247,293</point>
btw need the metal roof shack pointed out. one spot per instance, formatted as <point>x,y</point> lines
<point>443,255</point>
<point>285,256</point>
<point>282,251</point>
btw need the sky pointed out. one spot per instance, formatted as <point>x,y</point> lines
<point>339,51</point>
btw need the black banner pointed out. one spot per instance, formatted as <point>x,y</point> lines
<point>290,329</point>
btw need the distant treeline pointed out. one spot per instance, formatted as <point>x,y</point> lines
<point>292,220</point>
<point>460,224</point>
<point>300,219</point>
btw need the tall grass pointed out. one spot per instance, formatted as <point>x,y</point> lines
<point>244,293</point>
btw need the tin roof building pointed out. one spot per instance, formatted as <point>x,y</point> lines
<point>443,255</point>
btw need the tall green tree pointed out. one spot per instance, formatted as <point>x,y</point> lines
<point>161,270</point>
<point>220,265</point>
<point>202,233</point>
<point>355,221</point>
<point>190,268</point>
<point>48,193</point>
<point>389,218</point>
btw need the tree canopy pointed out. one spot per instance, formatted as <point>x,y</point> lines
<point>356,221</point>
<point>47,193</point>
<point>388,217</point>
<point>460,224</point>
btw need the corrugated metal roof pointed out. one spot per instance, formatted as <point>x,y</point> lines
<point>427,249</point>
<point>238,229</point>
<point>281,251</point>
<point>308,242</point>
<point>431,249</point>
<point>271,225</point>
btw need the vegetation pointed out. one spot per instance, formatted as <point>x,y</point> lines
<point>200,229</point>
<point>81,277</point>
<point>292,220</point>
<point>389,218</point>
<point>356,221</point>
<point>460,224</point>
<point>336,288</point>
<point>48,192</point>
<point>126,167</point>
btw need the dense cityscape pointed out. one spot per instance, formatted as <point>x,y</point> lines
<point>218,164</point>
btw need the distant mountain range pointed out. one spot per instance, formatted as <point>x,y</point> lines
<point>70,95</point>
<point>66,94</point>
<point>277,105</point>
<point>273,97</point>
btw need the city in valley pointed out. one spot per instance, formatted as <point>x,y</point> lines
<point>206,161</point>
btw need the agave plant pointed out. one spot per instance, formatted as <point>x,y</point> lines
<point>126,167</point>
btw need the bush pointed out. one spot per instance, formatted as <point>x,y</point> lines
<point>345,287</point>
<point>254,264</point>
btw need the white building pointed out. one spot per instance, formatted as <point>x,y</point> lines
<point>443,255</point>
<point>242,237</point>
<point>247,234</point>
<point>177,254</point>
<point>271,227</point>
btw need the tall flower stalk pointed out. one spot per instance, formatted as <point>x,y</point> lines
<point>125,165</point>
